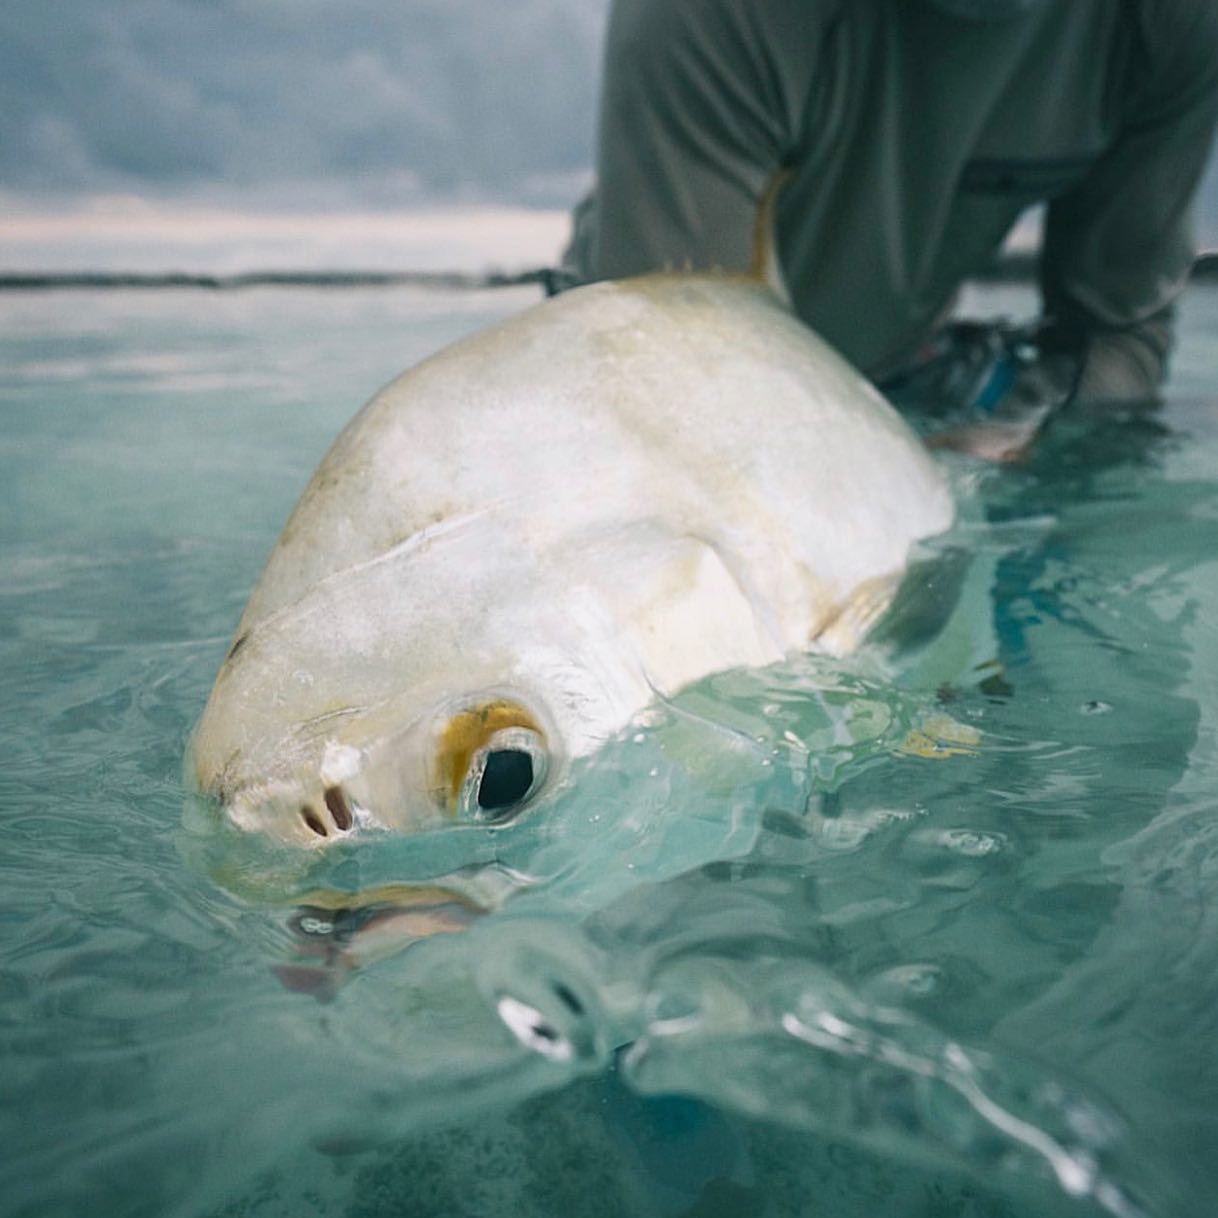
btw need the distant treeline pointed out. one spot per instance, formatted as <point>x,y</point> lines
<point>1013,268</point>
<point>262,279</point>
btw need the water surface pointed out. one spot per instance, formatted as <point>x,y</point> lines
<point>831,939</point>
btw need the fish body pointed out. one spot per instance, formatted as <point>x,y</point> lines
<point>523,541</point>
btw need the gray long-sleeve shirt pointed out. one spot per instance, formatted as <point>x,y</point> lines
<point>914,140</point>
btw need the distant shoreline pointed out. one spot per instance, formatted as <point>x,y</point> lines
<point>24,281</point>
<point>1013,268</point>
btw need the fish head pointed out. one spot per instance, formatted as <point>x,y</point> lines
<point>437,685</point>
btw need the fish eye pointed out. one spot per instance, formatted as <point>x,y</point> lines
<point>502,776</point>
<point>492,759</point>
<point>507,777</point>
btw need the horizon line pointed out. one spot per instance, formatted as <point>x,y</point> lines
<point>38,280</point>
<point>1012,266</point>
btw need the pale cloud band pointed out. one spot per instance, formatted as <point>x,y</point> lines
<point>132,235</point>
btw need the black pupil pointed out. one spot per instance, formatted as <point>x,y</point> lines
<point>505,780</point>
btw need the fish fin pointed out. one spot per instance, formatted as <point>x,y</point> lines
<point>684,602</point>
<point>854,619</point>
<point>940,736</point>
<point>924,601</point>
<point>766,267</point>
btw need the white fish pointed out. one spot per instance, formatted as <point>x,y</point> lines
<point>520,543</point>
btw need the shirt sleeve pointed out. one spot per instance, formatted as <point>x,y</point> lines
<point>1119,246</point>
<point>697,112</point>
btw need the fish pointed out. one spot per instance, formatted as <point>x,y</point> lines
<point>539,531</point>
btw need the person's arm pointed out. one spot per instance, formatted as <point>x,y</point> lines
<point>696,116</point>
<point>1118,247</point>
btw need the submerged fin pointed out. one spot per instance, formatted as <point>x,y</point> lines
<point>924,602</point>
<point>940,736</point>
<point>856,617</point>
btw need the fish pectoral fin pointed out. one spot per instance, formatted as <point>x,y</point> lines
<point>686,613</point>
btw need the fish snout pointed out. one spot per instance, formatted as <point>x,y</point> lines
<point>338,816</point>
<point>294,812</point>
<point>479,760</point>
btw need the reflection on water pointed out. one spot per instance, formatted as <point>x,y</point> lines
<point>898,936</point>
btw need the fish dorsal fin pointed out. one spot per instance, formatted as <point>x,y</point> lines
<point>766,267</point>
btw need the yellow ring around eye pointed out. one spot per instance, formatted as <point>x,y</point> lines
<point>467,732</point>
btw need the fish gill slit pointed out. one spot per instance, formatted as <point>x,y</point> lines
<point>313,821</point>
<point>340,809</point>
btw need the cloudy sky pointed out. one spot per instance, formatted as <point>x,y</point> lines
<point>299,102</point>
<point>123,108</point>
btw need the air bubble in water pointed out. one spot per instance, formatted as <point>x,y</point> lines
<point>533,1030</point>
<point>914,980</point>
<point>972,843</point>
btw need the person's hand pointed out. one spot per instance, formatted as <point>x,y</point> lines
<point>986,388</point>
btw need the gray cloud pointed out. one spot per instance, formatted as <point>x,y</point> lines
<point>376,100</point>
<point>364,102</point>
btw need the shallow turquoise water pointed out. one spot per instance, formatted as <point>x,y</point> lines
<point>787,966</point>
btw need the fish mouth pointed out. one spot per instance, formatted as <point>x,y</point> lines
<point>334,933</point>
